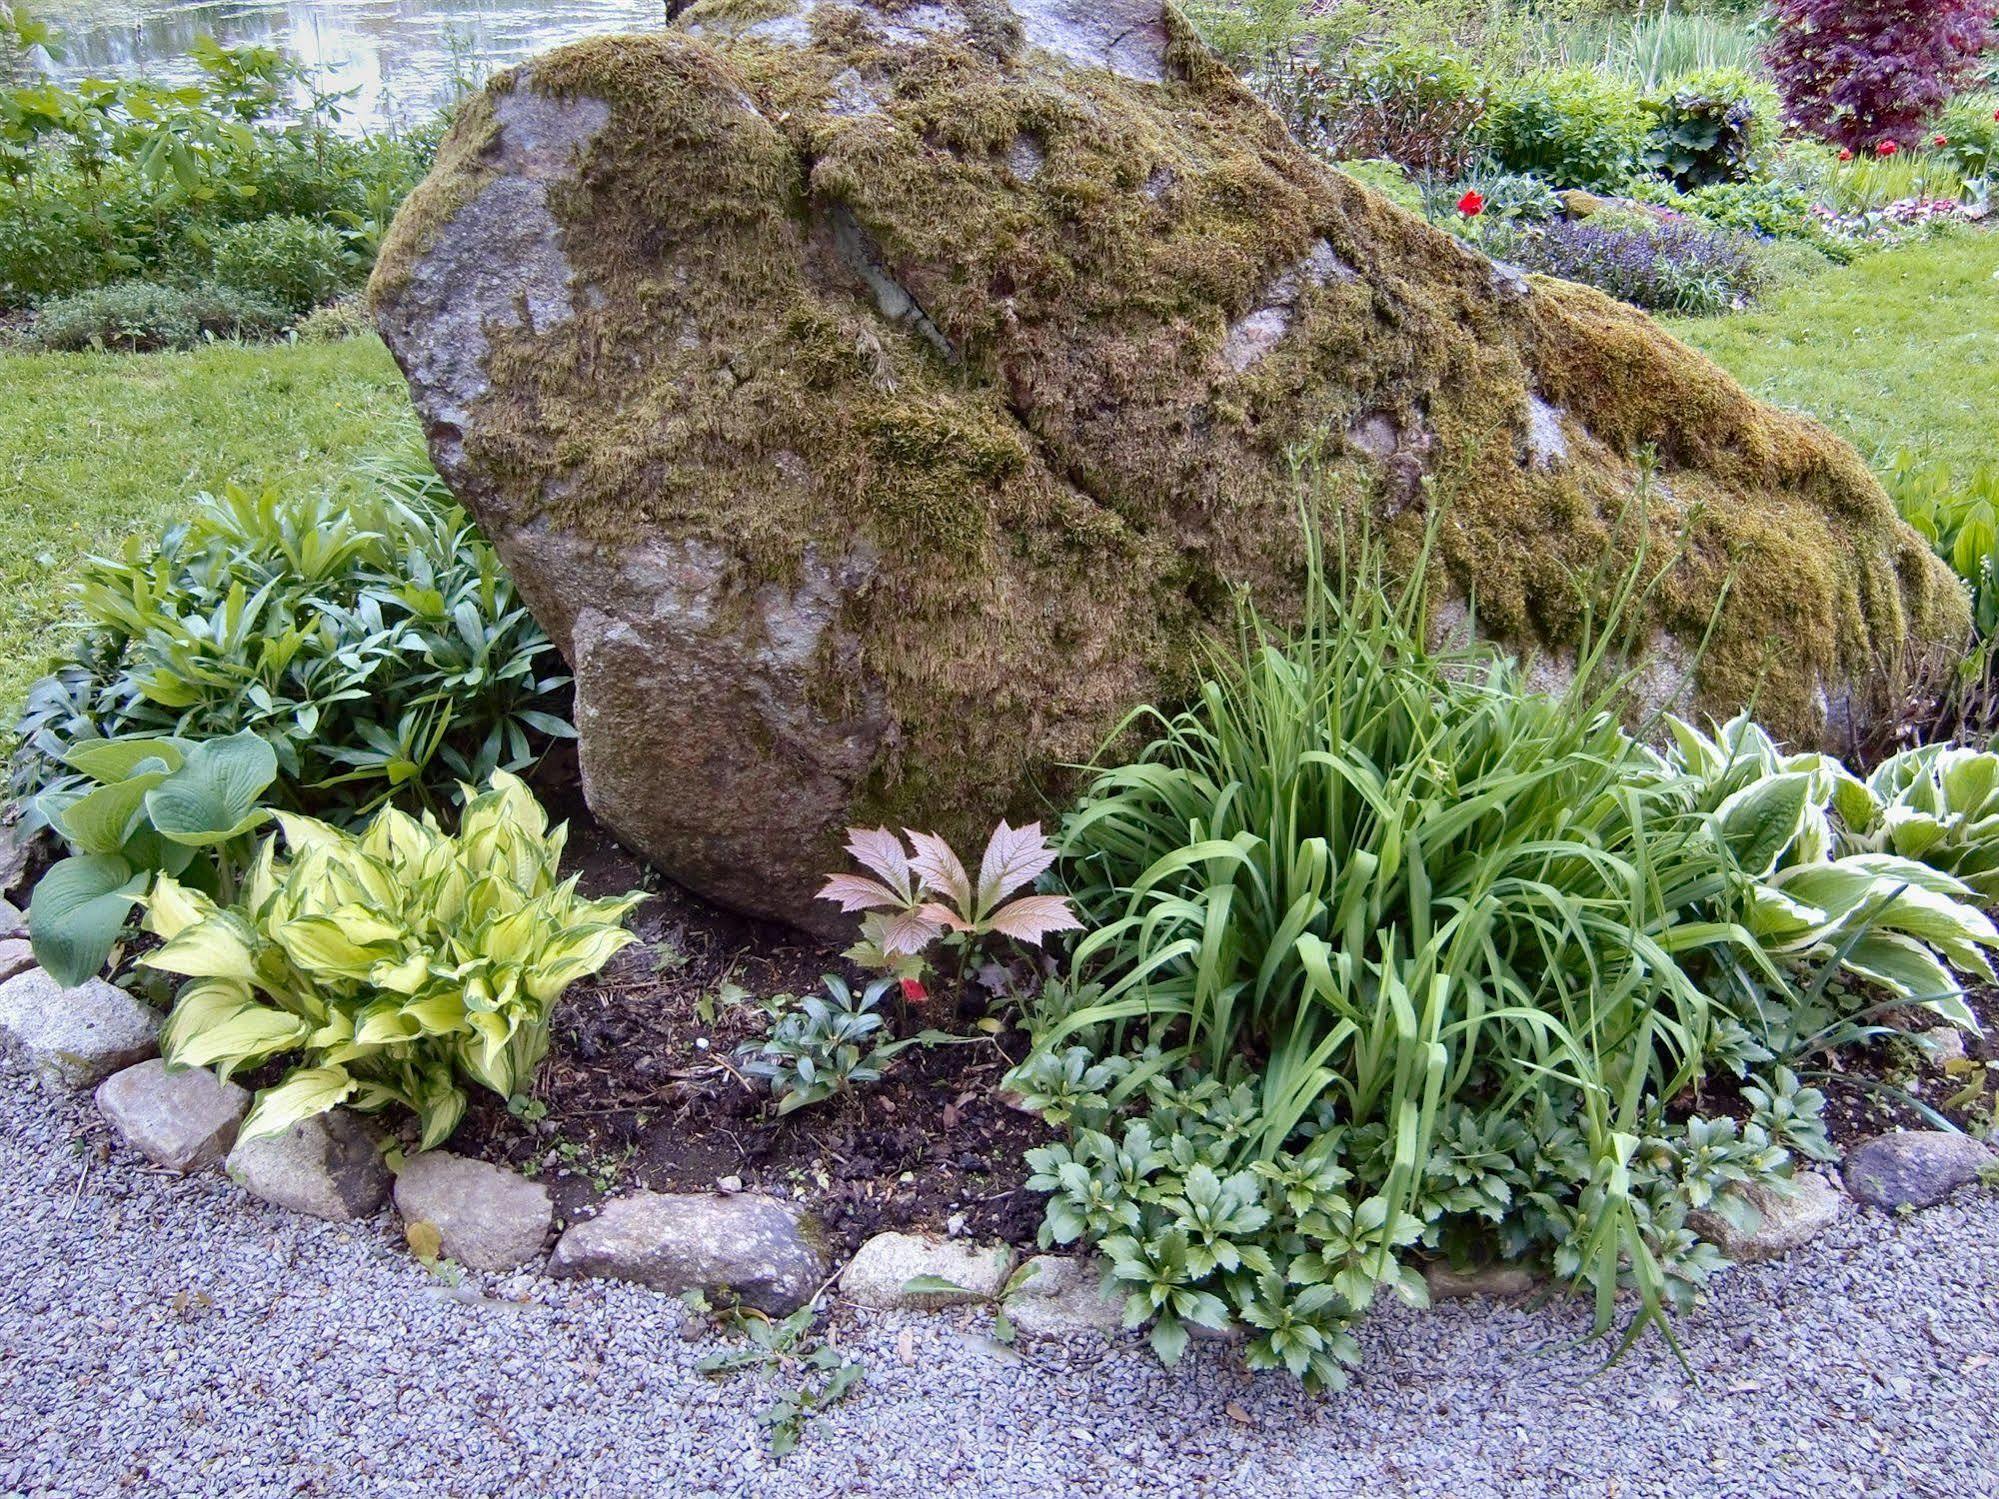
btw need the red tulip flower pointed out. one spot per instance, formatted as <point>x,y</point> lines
<point>914,992</point>
<point>1886,148</point>
<point>1471,205</point>
<point>1940,140</point>
<point>1844,154</point>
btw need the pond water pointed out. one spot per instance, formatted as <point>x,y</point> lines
<point>402,58</point>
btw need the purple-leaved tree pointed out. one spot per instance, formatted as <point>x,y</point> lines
<point>1861,72</point>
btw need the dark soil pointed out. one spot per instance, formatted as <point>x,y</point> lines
<point>641,1090</point>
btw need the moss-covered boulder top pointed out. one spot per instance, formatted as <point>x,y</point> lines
<point>876,401</point>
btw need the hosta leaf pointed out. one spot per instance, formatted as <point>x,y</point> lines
<point>79,908</point>
<point>217,1024</point>
<point>220,947</point>
<point>1904,966</point>
<point>104,820</point>
<point>1762,820</point>
<point>213,797</point>
<point>109,760</point>
<point>306,1093</point>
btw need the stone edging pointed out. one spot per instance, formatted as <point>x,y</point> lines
<point>759,1249</point>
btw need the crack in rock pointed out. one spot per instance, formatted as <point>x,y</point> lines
<point>858,251</point>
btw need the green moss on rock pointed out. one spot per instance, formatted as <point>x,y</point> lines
<point>1047,345</point>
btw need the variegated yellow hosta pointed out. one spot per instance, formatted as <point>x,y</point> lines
<point>401,963</point>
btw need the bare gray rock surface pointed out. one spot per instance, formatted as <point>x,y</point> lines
<point>486,1217</point>
<point>1914,1168</point>
<point>1064,1296</point>
<point>1777,1222</point>
<point>329,1167</point>
<point>886,1263</point>
<point>76,1036</point>
<point>181,1120</point>
<point>749,1247</point>
<point>16,956</point>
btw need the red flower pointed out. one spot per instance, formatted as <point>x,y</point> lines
<point>1940,140</point>
<point>1886,148</point>
<point>1471,205</point>
<point>914,992</point>
<point>1844,154</point>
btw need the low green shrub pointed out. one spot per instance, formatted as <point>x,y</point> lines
<point>1388,178</point>
<point>1575,127</point>
<point>1709,129</point>
<point>116,179</point>
<point>371,637</point>
<point>136,316</point>
<point>346,318</point>
<point>400,966</point>
<point>288,258</point>
<point>822,1046</point>
<point>1970,128</point>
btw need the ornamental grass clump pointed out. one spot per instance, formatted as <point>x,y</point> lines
<point>400,965</point>
<point>1388,956</point>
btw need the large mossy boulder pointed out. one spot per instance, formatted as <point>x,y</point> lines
<point>876,401</point>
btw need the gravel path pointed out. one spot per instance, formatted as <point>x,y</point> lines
<point>160,1335</point>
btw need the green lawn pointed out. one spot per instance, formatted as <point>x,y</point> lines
<point>96,446</point>
<point>1898,351</point>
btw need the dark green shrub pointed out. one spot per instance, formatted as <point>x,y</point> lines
<point>1970,128</point>
<point>1577,128</point>
<point>1709,129</point>
<point>372,638</point>
<point>134,316</point>
<point>288,258</point>
<point>119,179</point>
<point>1415,105</point>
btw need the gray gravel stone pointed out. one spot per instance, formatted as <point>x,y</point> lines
<point>12,922</point>
<point>181,1120</point>
<point>1776,1222</point>
<point>327,1166</point>
<point>1062,1296</point>
<point>753,1248</point>
<point>487,1217</point>
<point>76,1037</point>
<point>167,1334</point>
<point>15,957</point>
<point>886,1263</point>
<point>1913,1168</point>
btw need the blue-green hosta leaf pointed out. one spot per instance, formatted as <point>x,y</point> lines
<point>1763,819</point>
<point>103,821</point>
<point>111,760</point>
<point>213,797</point>
<point>306,1093</point>
<point>79,908</point>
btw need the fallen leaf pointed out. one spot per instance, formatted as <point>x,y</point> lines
<point>1238,1415</point>
<point>425,1242</point>
<point>905,1347</point>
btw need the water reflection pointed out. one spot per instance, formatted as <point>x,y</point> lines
<point>400,55</point>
